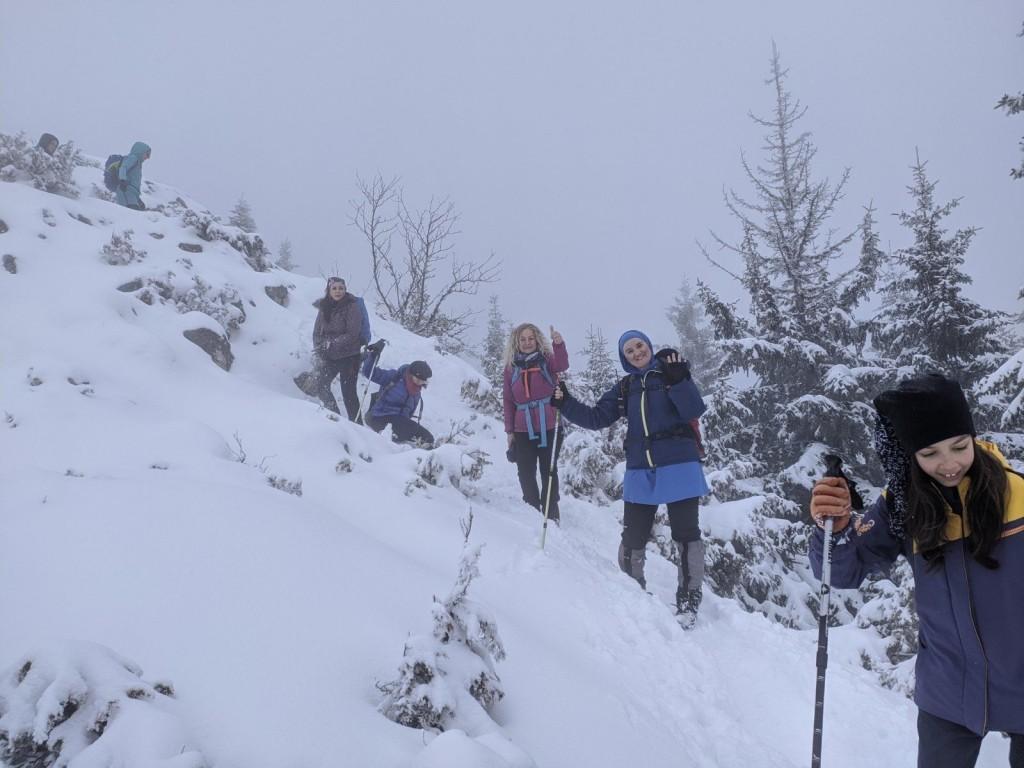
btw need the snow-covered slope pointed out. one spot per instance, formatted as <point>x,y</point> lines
<point>128,519</point>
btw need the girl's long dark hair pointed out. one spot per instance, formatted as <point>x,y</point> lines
<point>983,509</point>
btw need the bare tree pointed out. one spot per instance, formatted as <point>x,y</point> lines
<point>408,284</point>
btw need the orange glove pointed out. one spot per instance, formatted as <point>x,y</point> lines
<point>831,498</point>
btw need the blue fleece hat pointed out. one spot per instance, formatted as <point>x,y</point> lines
<point>627,366</point>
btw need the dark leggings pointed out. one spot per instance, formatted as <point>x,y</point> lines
<point>943,744</point>
<point>529,457</point>
<point>403,429</point>
<point>348,369</point>
<point>638,519</point>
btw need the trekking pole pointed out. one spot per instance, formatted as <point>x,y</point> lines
<point>833,468</point>
<point>551,479</point>
<point>366,389</point>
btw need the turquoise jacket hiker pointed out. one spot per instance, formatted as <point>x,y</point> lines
<point>129,194</point>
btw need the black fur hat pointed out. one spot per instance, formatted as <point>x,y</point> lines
<point>926,409</point>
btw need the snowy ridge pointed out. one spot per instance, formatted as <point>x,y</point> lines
<point>130,521</point>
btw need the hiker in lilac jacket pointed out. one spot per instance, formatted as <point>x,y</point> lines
<point>532,366</point>
<point>336,343</point>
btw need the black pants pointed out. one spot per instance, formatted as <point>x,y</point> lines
<point>348,369</point>
<point>638,519</point>
<point>403,429</point>
<point>942,744</point>
<point>529,456</point>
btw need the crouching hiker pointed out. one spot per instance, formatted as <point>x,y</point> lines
<point>399,400</point>
<point>531,370</point>
<point>659,400</point>
<point>953,507</point>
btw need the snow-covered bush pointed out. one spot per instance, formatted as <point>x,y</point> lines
<point>20,160</point>
<point>209,228</point>
<point>84,704</point>
<point>590,464</point>
<point>121,250</point>
<point>222,303</point>
<point>447,678</point>
<point>449,465</point>
<point>480,395</point>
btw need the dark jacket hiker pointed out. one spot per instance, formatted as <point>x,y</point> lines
<point>662,457</point>
<point>398,399</point>
<point>336,343</point>
<point>955,510</point>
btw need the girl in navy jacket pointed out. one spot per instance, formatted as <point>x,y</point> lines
<point>955,510</point>
<point>658,400</point>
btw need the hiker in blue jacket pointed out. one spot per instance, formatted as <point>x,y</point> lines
<point>129,177</point>
<point>397,400</point>
<point>955,509</point>
<point>659,400</point>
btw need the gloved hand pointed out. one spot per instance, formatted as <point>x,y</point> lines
<point>830,497</point>
<point>559,396</point>
<point>675,368</point>
<point>376,348</point>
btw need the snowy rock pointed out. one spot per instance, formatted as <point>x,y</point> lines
<point>214,344</point>
<point>3,227</point>
<point>10,264</point>
<point>277,293</point>
<point>191,247</point>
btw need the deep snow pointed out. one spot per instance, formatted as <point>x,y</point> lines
<point>126,520</point>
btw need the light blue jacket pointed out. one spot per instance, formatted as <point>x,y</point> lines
<point>131,172</point>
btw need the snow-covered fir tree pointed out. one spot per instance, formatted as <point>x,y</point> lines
<point>796,376</point>
<point>601,372</point>
<point>493,351</point>
<point>1014,105</point>
<point>1002,391</point>
<point>285,257</point>
<point>696,339</point>
<point>241,216</point>
<point>926,322</point>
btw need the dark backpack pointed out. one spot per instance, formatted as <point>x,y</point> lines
<point>110,170</point>
<point>364,329</point>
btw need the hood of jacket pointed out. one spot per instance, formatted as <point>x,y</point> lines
<point>627,366</point>
<point>140,149</point>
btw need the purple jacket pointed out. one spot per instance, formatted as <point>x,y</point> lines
<point>529,386</point>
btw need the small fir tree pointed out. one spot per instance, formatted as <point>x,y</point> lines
<point>696,339</point>
<point>285,258</point>
<point>601,372</point>
<point>241,216</point>
<point>493,351</point>
<point>927,323</point>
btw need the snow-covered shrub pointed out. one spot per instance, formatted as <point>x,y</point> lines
<point>84,704</point>
<point>209,228</point>
<point>20,160</point>
<point>590,464</point>
<point>447,677</point>
<point>121,250</point>
<point>294,487</point>
<point>449,465</point>
<point>222,303</point>
<point>888,610</point>
<point>481,396</point>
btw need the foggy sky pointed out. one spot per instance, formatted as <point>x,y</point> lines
<point>587,144</point>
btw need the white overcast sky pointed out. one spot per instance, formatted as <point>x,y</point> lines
<point>586,143</point>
